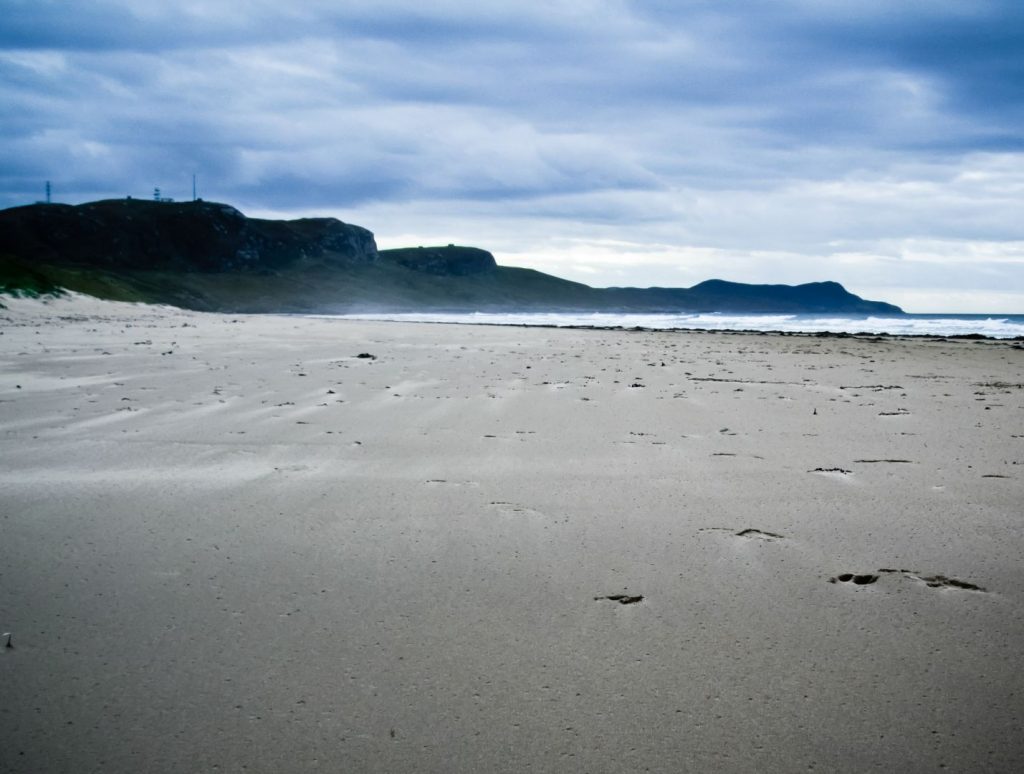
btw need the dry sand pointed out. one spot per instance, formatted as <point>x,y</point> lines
<point>230,544</point>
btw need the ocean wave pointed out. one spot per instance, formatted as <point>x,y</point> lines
<point>994,326</point>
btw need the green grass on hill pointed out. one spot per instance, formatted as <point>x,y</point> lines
<point>21,281</point>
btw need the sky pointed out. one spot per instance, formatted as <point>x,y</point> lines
<point>877,143</point>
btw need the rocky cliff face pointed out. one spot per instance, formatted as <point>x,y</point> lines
<point>198,236</point>
<point>450,261</point>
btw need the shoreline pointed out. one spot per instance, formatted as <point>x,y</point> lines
<point>688,329</point>
<point>861,335</point>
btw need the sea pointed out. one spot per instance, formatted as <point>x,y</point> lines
<point>994,326</point>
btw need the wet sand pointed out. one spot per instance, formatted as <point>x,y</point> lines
<point>230,543</point>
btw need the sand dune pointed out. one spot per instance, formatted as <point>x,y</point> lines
<point>232,543</point>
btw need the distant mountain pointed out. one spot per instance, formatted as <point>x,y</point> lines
<point>717,295</point>
<point>209,256</point>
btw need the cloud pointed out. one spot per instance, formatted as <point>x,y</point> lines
<point>614,141</point>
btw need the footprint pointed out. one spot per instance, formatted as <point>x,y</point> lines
<point>759,534</point>
<point>942,582</point>
<point>622,599</point>
<point>932,581</point>
<point>292,468</point>
<point>936,581</point>
<point>513,509</point>
<point>858,580</point>
<point>749,532</point>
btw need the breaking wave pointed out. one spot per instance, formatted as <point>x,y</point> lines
<point>992,326</point>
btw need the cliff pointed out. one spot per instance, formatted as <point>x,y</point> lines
<point>139,235</point>
<point>209,256</point>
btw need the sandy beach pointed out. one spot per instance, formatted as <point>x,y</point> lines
<point>268,544</point>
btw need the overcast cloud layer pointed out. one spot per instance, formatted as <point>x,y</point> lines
<point>873,142</point>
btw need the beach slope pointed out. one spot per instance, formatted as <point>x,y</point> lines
<point>266,543</point>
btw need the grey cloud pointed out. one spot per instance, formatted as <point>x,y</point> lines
<point>783,126</point>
